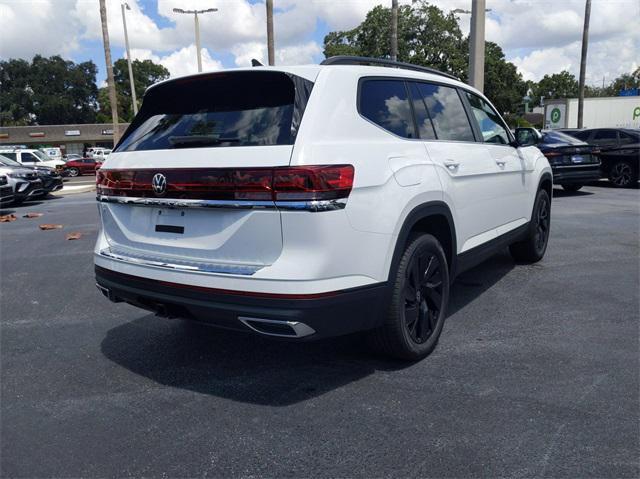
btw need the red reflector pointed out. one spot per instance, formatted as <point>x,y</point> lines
<point>297,183</point>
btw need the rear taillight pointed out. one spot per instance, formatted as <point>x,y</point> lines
<point>284,184</point>
<point>308,183</point>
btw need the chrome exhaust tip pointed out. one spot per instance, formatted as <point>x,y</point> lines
<point>273,327</point>
<point>108,294</point>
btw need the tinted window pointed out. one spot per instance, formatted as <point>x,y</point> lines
<point>558,138</point>
<point>222,109</point>
<point>28,158</point>
<point>447,113</point>
<point>425,125</point>
<point>626,138</point>
<point>582,135</point>
<point>488,121</point>
<point>605,137</point>
<point>11,156</point>
<point>385,103</point>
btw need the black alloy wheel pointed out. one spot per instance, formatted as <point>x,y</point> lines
<point>543,215</point>
<point>422,296</point>
<point>622,175</point>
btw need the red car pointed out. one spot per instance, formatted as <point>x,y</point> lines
<point>82,166</point>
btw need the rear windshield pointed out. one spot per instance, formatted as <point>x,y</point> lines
<point>556,137</point>
<point>249,108</point>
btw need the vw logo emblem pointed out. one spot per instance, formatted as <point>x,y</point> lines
<point>159,184</point>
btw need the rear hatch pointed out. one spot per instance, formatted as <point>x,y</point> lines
<point>188,186</point>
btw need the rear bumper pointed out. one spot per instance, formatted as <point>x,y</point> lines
<point>296,316</point>
<point>576,174</point>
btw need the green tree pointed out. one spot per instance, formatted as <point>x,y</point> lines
<point>145,74</point>
<point>558,85</point>
<point>47,91</point>
<point>427,36</point>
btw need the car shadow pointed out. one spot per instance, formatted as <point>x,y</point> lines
<point>248,368</point>
<point>560,193</point>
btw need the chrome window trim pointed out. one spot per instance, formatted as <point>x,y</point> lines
<point>312,206</point>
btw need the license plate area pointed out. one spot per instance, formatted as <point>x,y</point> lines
<point>579,159</point>
<point>170,220</point>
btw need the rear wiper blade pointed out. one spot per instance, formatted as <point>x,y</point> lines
<point>188,140</point>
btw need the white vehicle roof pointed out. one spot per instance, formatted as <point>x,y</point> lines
<point>311,72</point>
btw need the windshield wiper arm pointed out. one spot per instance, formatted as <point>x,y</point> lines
<point>188,140</point>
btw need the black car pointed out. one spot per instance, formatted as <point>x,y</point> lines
<point>51,179</point>
<point>574,162</point>
<point>6,191</point>
<point>619,152</point>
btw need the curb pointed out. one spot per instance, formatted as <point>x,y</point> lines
<point>72,190</point>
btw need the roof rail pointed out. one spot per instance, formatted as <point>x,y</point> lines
<point>382,62</point>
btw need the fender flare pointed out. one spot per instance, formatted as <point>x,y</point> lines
<point>420,212</point>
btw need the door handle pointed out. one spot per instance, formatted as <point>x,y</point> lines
<point>501,163</point>
<point>451,164</point>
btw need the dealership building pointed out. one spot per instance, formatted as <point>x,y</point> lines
<point>69,138</point>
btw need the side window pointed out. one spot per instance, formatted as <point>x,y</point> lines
<point>28,157</point>
<point>447,113</point>
<point>626,139</point>
<point>605,137</point>
<point>488,121</point>
<point>385,103</point>
<point>12,156</point>
<point>423,120</point>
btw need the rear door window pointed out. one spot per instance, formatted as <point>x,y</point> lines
<point>386,103</point>
<point>447,113</point>
<point>223,109</point>
<point>605,138</point>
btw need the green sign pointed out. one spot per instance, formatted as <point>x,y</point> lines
<point>636,112</point>
<point>555,115</point>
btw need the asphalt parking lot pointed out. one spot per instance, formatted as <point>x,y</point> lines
<point>536,373</point>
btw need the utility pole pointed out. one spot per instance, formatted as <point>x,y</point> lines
<point>476,45</point>
<point>270,46</point>
<point>394,30</point>
<point>197,26</point>
<point>111,85</point>
<point>126,42</point>
<point>583,61</point>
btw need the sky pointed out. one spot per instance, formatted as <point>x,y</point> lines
<point>539,36</point>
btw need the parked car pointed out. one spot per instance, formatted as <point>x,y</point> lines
<point>98,152</point>
<point>53,153</point>
<point>51,179</point>
<point>29,157</point>
<point>313,201</point>
<point>619,151</point>
<point>72,156</point>
<point>24,182</point>
<point>82,166</point>
<point>574,162</point>
<point>6,191</point>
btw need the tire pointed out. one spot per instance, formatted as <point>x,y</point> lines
<point>571,188</point>
<point>623,174</point>
<point>532,249</point>
<point>73,172</point>
<point>415,316</point>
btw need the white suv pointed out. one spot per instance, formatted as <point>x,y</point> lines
<point>311,201</point>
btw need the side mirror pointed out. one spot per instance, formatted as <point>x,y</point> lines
<point>527,136</point>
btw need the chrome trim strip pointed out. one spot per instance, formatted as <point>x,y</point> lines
<point>299,329</point>
<point>312,206</point>
<point>186,266</point>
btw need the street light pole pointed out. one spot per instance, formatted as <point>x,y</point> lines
<point>270,43</point>
<point>126,42</point>
<point>111,85</point>
<point>394,30</point>
<point>583,62</point>
<point>195,13</point>
<point>476,45</point>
